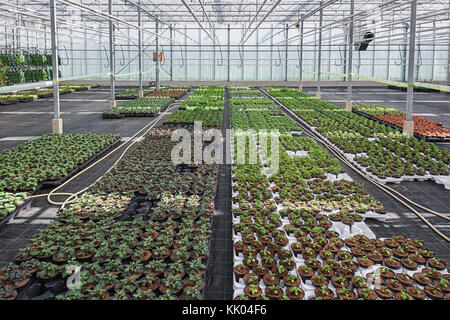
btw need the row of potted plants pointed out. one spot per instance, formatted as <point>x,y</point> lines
<point>31,95</point>
<point>166,92</point>
<point>354,268</point>
<point>139,107</point>
<point>236,92</point>
<point>265,244</point>
<point>422,126</point>
<point>383,148</point>
<point>205,104</point>
<point>258,113</point>
<point>162,255</point>
<point>48,158</point>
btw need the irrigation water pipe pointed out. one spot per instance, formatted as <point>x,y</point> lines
<point>74,196</point>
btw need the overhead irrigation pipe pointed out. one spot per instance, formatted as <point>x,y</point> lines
<point>381,24</point>
<point>397,35</point>
<point>391,23</point>
<point>45,17</point>
<point>110,17</point>
<point>304,17</point>
<point>158,19</point>
<point>198,21</point>
<point>206,15</point>
<point>349,17</point>
<point>262,20</point>
<point>211,27</point>
<point>48,25</point>
<point>253,20</point>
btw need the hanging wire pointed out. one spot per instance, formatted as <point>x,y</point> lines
<point>419,61</point>
<point>279,57</point>
<point>401,57</point>
<point>221,57</point>
<point>298,54</point>
<point>240,57</point>
<point>182,56</point>
<point>107,57</point>
<point>123,56</point>
<point>419,55</point>
<point>67,56</point>
<point>358,65</point>
<point>340,57</point>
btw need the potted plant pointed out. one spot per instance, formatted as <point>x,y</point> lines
<point>384,292</point>
<point>367,294</point>
<point>394,285</point>
<point>305,272</point>
<point>324,293</point>
<point>133,270</point>
<point>434,292</point>
<point>340,282</point>
<point>345,293</point>
<point>271,279</point>
<point>155,267</point>
<point>148,283</point>
<point>191,294</point>
<point>359,282</point>
<point>97,293</point>
<point>274,292</point>
<point>195,267</point>
<point>252,291</point>
<point>48,271</point>
<point>251,278</point>
<point>422,279</point>
<point>194,281</point>
<point>403,295</point>
<point>416,292</point>
<point>319,280</point>
<point>436,263</point>
<point>291,280</point>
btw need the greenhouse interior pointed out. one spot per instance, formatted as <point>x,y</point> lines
<point>224,150</point>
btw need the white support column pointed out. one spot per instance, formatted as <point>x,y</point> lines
<point>228,54</point>
<point>57,123</point>
<point>271,52</point>
<point>286,53</point>
<point>171,53</point>
<point>112,60</point>
<point>408,125</point>
<point>157,55</point>
<point>300,86</point>
<point>348,103</point>
<point>141,90</point>
<point>319,55</point>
